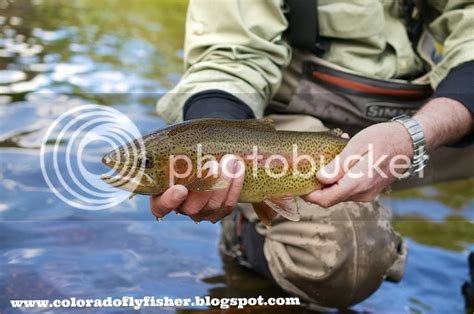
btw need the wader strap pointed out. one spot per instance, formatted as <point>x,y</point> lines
<point>303,31</point>
<point>418,14</point>
<point>364,86</point>
<point>427,13</point>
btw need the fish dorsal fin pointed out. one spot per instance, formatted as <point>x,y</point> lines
<point>265,213</point>
<point>264,124</point>
<point>285,206</point>
<point>336,132</point>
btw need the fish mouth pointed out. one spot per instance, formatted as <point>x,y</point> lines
<point>134,180</point>
<point>140,184</point>
<point>120,178</point>
<point>108,161</point>
<point>126,182</point>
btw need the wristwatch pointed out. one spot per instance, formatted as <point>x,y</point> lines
<point>420,156</point>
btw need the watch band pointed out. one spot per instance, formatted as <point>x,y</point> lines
<point>420,156</point>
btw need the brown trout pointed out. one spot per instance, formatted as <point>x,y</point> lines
<point>149,165</point>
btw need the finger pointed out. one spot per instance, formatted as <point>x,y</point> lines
<point>353,183</point>
<point>232,172</point>
<point>199,208</point>
<point>236,186</point>
<point>172,198</point>
<point>331,173</point>
<point>369,194</point>
<point>328,197</point>
<point>195,202</point>
<point>228,167</point>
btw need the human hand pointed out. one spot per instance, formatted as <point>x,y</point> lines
<point>211,206</point>
<point>372,160</point>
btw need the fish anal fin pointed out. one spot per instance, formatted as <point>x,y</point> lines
<point>265,213</point>
<point>286,206</point>
<point>205,184</point>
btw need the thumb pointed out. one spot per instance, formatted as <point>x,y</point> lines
<point>337,168</point>
<point>332,172</point>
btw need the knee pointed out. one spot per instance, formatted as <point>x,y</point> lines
<point>335,263</point>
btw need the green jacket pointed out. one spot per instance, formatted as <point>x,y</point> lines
<point>238,46</point>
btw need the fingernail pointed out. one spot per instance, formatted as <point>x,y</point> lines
<point>228,162</point>
<point>239,168</point>
<point>321,174</point>
<point>180,192</point>
<point>238,165</point>
<point>234,166</point>
<point>228,167</point>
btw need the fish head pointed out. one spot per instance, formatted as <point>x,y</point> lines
<point>133,168</point>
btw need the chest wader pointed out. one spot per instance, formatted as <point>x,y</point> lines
<point>338,256</point>
<point>343,99</point>
<point>340,98</point>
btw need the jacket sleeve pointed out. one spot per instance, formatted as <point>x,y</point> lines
<point>453,30</point>
<point>234,46</point>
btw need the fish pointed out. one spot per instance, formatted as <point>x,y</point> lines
<point>150,165</point>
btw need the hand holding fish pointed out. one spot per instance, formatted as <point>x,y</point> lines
<point>443,121</point>
<point>211,206</point>
<point>350,177</point>
<point>278,166</point>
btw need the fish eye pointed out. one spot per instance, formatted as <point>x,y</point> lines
<point>148,162</point>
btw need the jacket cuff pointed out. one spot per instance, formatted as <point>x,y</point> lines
<point>216,104</point>
<point>458,85</point>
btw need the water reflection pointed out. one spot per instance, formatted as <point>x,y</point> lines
<point>56,55</point>
<point>11,76</point>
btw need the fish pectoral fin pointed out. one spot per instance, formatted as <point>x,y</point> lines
<point>209,183</point>
<point>285,206</point>
<point>265,213</point>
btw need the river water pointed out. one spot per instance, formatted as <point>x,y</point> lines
<point>55,55</point>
